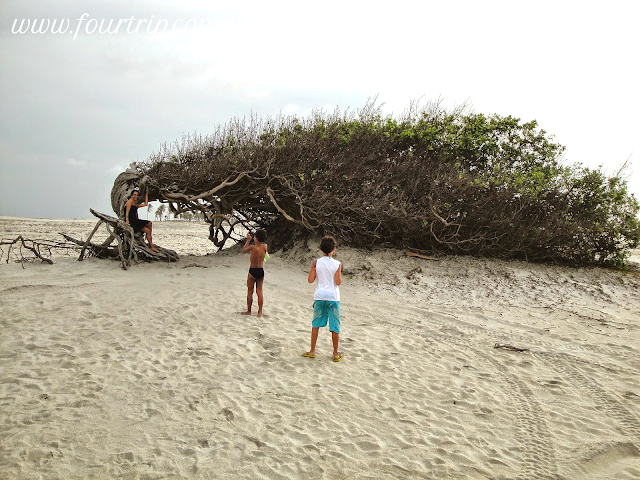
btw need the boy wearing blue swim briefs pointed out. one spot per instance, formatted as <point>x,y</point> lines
<point>326,300</point>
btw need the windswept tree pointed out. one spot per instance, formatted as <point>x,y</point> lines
<point>432,179</point>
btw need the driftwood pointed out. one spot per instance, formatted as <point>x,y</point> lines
<point>93,250</point>
<point>129,246</point>
<point>40,249</point>
<point>506,346</point>
<point>413,254</point>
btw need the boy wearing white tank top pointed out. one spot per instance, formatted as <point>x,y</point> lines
<point>326,300</point>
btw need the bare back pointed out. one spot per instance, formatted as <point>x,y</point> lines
<point>257,255</point>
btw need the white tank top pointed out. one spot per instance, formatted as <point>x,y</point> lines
<point>326,288</point>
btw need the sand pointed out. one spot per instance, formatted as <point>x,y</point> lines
<point>152,373</point>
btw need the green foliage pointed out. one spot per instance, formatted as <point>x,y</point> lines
<point>456,181</point>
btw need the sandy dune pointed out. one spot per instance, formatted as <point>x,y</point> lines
<point>151,373</point>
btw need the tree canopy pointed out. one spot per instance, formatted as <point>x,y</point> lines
<point>431,180</point>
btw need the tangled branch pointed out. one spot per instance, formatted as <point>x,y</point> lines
<point>39,249</point>
<point>129,247</point>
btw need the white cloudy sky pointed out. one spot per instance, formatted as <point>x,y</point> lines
<point>74,113</point>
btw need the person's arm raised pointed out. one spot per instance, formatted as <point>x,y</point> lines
<point>146,201</point>
<point>247,247</point>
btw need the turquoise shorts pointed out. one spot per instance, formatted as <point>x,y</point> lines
<point>325,310</point>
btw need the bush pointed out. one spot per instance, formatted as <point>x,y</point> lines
<point>451,181</point>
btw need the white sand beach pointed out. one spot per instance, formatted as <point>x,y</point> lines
<point>152,373</point>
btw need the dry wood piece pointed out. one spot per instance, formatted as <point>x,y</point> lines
<point>129,245</point>
<point>93,250</point>
<point>84,247</point>
<point>506,346</point>
<point>413,254</point>
<point>39,248</point>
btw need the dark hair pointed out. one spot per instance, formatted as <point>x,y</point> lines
<point>327,244</point>
<point>261,235</point>
<point>134,191</point>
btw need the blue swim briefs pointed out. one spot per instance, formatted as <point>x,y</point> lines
<point>324,310</point>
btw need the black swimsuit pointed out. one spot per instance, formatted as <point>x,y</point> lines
<point>257,273</point>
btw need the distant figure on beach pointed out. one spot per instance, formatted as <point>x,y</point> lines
<point>326,300</point>
<point>131,216</point>
<point>256,270</point>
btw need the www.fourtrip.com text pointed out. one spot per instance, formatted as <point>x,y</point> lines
<point>102,26</point>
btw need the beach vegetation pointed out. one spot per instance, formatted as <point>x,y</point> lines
<point>430,179</point>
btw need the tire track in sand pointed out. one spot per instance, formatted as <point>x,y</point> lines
<point>535,441</point>
<point>565,365</point>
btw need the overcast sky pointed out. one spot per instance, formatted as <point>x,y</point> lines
<point>77,108</point>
